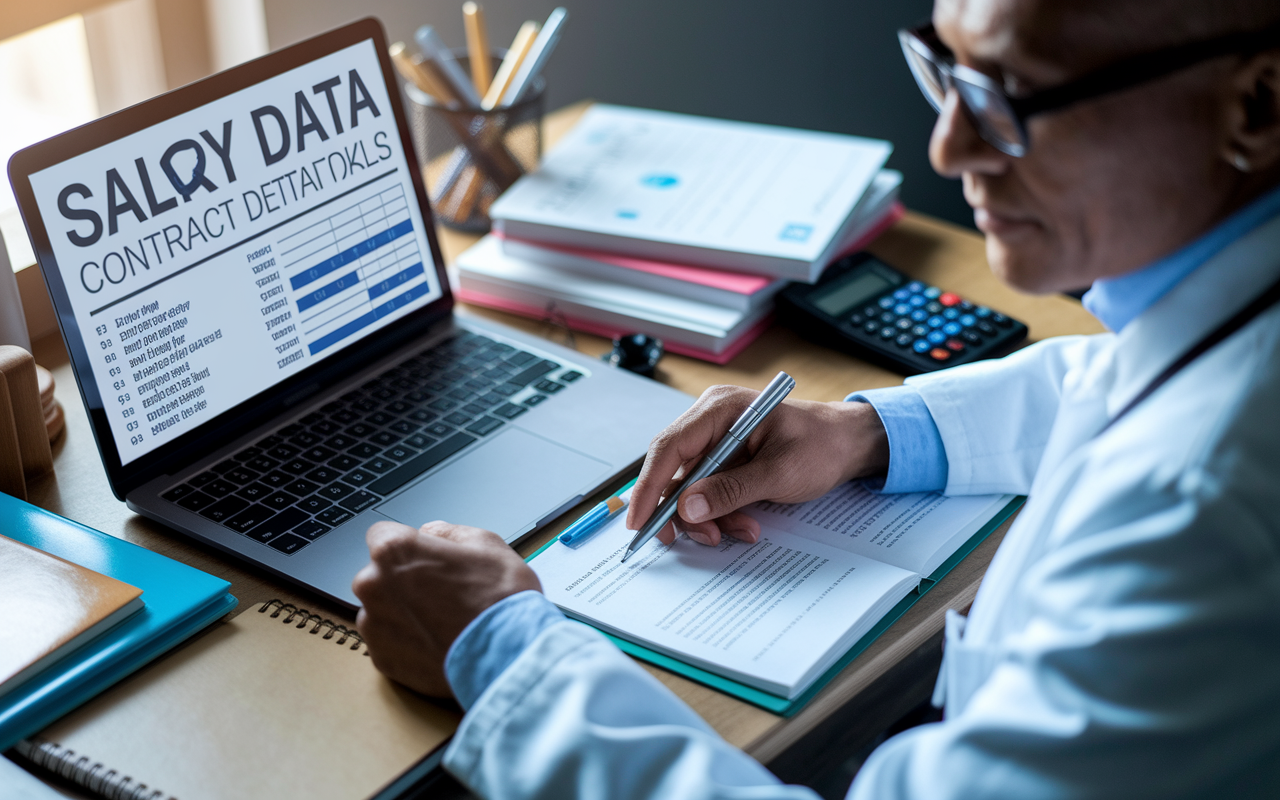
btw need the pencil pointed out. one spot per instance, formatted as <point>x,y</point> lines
<point>478,47</point>
<point>507,70</point>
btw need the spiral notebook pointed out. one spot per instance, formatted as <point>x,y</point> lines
<point>278,702</point>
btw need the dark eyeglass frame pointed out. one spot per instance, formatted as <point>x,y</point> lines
<point>1123,74</point>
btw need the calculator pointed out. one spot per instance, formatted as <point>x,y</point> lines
<point>866,308</point>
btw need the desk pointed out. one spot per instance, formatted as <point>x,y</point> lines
<point>890,678</point>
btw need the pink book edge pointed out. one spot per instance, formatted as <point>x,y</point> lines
<point>610,332</point>
<point>737,282</point>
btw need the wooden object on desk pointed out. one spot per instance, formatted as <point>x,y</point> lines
<point>886,681</point>
<point>24,437</point>
<point>54,419</point>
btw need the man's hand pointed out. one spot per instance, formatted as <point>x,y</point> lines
<point>423,587</point>
<point>799,452</point>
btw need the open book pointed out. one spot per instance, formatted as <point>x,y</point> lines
<point>778,614</point>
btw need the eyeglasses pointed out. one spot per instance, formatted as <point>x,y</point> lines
<point>1001,120</point>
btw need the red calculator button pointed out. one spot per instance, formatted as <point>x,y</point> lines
<point>938,354</point>
<point>949,299</point>
<point>955,345</point>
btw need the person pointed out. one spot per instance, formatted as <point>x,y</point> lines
<point>1125,639</point>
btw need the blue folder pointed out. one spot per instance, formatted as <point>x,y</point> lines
<point>180,600</point>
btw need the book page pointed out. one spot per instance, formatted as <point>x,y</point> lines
<point>916,531</point>
<point>772,615</point>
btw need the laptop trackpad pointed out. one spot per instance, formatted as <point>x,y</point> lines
<point>505,485</point>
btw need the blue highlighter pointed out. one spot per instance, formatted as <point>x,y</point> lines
<point>592,521</point>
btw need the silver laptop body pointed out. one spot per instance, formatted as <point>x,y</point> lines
<point>274,385</point>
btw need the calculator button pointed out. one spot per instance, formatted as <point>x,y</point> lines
<point>903,340</point>
<point>968,320</point>
<point>933,292</point>
<point>938,354</point>
<point>857,319</point>
<point>986,327</point>
<point>902,294</point>
<point>921,346</point>
<point>971,337</point>
<point>955,346</point>
<point>921,330</point>
<point>965,305</point>
<point>936,337</point>
<point>917,300</point>
<point>934,308</point>
<point>948,299</point>
<point>1001,320</point>
<point>936,321</point>
<point>919,315</point>
<point>887,302</point>
<point>888,333</point>
<point>915,286</point>
<point>903,324</point>
<point>951,313</point>
<point>952,328</point>
<point>982,312</point>
<point>888,317</point>
<point>902,309</point>
<point>870,311</point>
<point>871,327</point>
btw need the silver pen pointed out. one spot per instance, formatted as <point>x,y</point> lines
<point>728,447</point>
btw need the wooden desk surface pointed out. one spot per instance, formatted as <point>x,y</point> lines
<point>927,249</point>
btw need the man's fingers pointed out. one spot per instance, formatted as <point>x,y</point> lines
<point>741,526</point>
<point>668,534</point>
<point>390,542</point>
<point>728,491</point>
<point>686,439</point>
<point>706,533</point>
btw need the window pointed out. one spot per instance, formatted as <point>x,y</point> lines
<point>46,87</point>
<point>68,72</point>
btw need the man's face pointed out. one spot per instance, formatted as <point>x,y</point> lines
<point>1109,184</point>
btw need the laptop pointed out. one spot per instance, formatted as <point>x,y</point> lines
<point>247,278</point>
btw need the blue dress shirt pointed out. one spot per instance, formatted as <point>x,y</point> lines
<point>917,458</point>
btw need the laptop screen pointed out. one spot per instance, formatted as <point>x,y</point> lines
<point>212,255</point>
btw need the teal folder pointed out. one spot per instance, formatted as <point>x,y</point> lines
<point>781,705</point>
<point>180,600</point>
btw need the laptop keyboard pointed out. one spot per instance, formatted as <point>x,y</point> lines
<point>293,486</point>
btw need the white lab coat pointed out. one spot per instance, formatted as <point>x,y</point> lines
<point>1126,639</point>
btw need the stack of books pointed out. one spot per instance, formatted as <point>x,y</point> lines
<point>680,227</point>
<point>80,610</point>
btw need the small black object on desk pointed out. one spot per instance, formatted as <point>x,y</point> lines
<point>866,308</point>
<point>636,352</point>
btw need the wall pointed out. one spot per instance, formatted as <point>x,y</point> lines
<point>829,65</point>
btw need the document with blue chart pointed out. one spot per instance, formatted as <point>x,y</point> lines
<point>219,252</point>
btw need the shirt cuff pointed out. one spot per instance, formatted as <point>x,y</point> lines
<point>917,457</point>
<point>493,640</point>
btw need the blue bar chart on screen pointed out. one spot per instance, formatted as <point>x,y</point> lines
<point>358,264</point>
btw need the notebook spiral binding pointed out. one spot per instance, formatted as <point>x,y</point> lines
<point>84,771</point>
<point>101,780</point>
<point>331,629</point>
